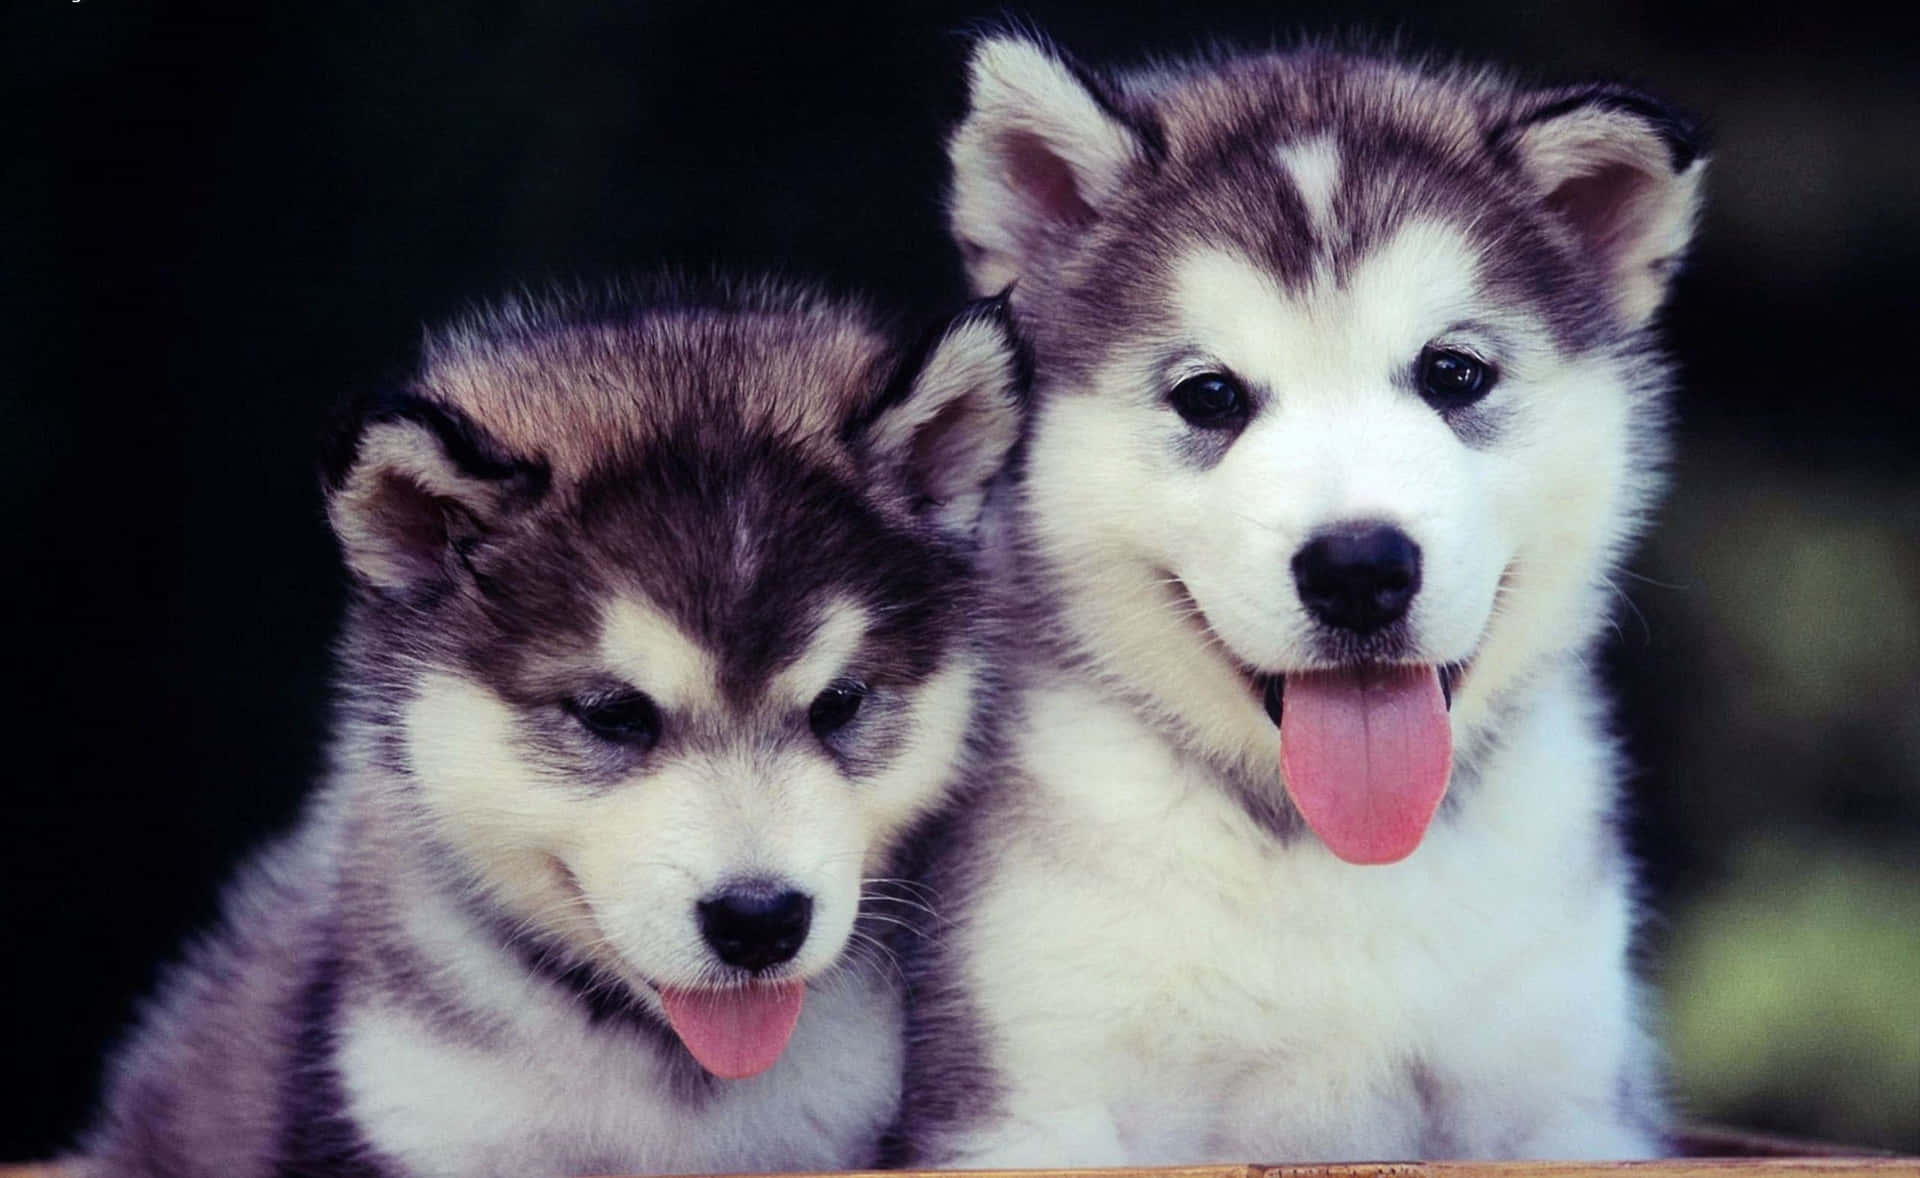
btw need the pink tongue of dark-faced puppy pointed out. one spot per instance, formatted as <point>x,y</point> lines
<point>735,1033</point>
<point>1365,753</point>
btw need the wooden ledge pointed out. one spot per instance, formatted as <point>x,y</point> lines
<point>1708,1152</point>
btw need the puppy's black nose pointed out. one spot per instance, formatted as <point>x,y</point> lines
<point>755,927</point>
<point>1359,579</point>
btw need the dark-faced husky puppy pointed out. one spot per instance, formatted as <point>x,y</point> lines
<point>1346,403</point>
<point>660,645</point>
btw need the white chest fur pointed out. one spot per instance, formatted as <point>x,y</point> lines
<point>1163,981</point>
<point>551,1095</point>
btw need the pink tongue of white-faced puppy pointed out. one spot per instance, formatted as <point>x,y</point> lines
<point>735,1033</point>
<point>1365,753</point>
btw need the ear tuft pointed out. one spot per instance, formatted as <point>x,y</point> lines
<point>1041,152</point>
<point>1682,135</point>
<point>951,415</point>
<point>412,484</point>
<point>1623,172</point>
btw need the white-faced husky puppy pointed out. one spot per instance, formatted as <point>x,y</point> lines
<point>660,648</point>
<point>1346,402</point>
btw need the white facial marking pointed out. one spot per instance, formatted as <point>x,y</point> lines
<point>831,646</point>
<point>1414,286</point>
<point>1409,289</point>
<point>1342,440</point>
<point>1339,435</point>
<point>1314,166</point>
<point>502,811</point>
<point>616,872</point>
<point>617,869</point>
<point>645,647</point>
<point>915,779</point>
<point>645,856</point>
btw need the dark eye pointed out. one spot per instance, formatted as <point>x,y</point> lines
<point>1450,379</point>
<point>834,708</point>
<point>1211,400</point>
<point>628,718</point>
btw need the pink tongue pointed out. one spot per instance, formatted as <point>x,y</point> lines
<point>735,1033</point>
<point>1365,754</point>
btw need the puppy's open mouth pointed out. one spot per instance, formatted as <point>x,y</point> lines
<point>1366,749</point>
<point>732,1031</point>
<point>1271,687</point>
<point>1365,753</point>
<point>738,1031</point>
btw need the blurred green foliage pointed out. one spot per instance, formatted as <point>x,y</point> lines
<point>1793,991</point>
<point>1782,645</point>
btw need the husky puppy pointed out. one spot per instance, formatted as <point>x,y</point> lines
<point>1346,402</point>
<point>659,651</point>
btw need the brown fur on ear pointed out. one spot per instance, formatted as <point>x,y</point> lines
<point>1624,174</point>
<point>951,416</point>
<point>415,487</point>
<point>1040,152</point>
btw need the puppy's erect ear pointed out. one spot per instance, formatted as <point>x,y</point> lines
<point>413,484</point>
<point>1042,150</point>
<point>947,420</point>
<point>1624,173</point>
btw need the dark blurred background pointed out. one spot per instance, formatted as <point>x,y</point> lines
<point>214,223</point>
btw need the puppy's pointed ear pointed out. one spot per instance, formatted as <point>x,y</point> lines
<point>1040,154</point>
<point>945,423</point>
<point>413,485</point>
<point>1624,173</point>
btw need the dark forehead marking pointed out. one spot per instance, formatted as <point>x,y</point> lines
<point>1389,179</point>
<point>741,541</point>
<point>1396,174</point>
<point>1246,199</point>
<point>1217,179</point>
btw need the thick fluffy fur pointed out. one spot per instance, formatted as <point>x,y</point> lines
<point>730,501</point>
<point>1150,958</point>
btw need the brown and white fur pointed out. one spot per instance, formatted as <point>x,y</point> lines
<point>656,597</point>
<point>1151,958</point>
